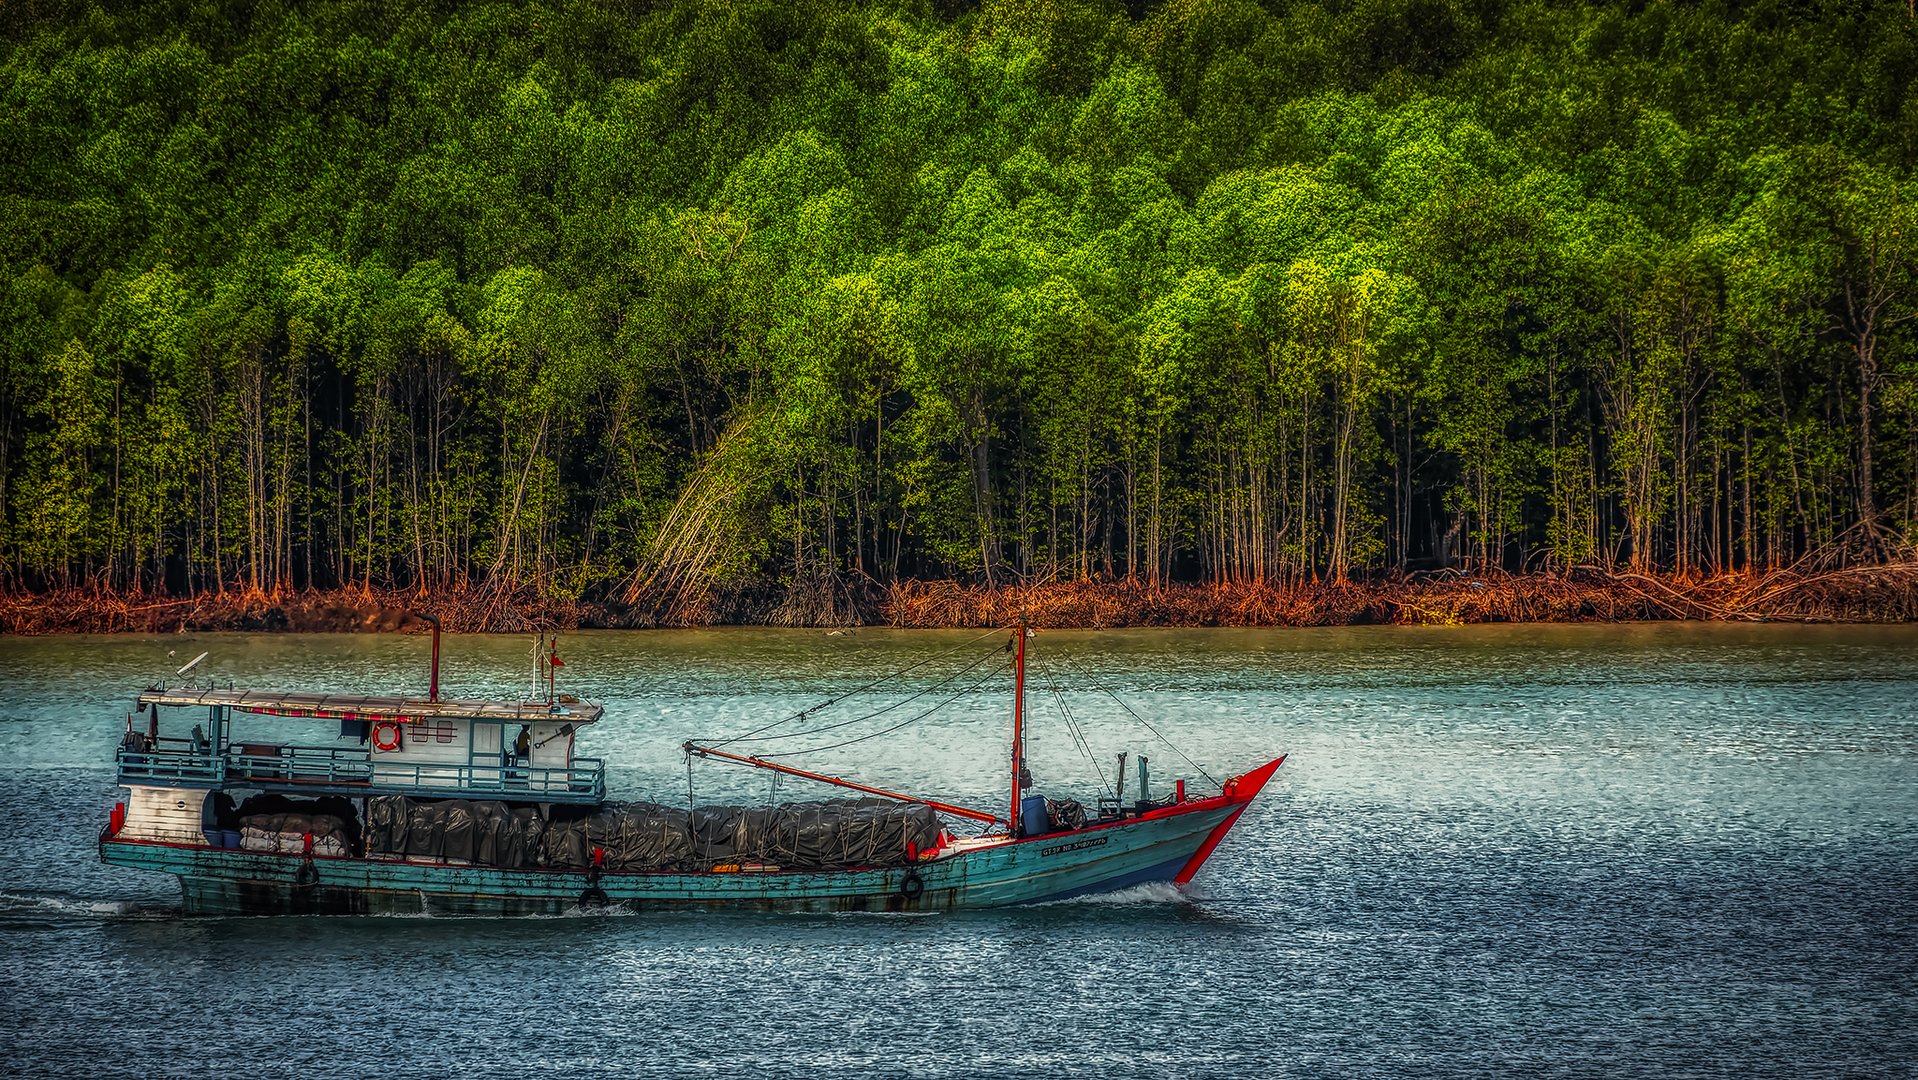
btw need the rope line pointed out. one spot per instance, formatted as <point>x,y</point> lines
<point>1073,727</point>
<point>1075,730</point>
<point>1147,724</point>
<point>830,702</point>
<point>903,723</point>
<point>692,826</point>
<point>861,719</point>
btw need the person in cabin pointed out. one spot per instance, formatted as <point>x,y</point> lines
<point>523,745</point>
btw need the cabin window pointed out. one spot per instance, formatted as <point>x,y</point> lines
<point>423,730</point>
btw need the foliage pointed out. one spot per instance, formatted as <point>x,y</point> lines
<point>663,300</point>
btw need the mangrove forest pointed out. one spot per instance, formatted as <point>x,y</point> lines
<point>745,310</point>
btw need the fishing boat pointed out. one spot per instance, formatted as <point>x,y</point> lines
<point>425,805</point>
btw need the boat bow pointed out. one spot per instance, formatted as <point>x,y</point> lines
<point>1239,790</point>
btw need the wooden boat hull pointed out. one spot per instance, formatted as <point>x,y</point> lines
<point>1166,845</point>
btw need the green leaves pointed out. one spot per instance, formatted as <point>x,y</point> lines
<point>544,292</point>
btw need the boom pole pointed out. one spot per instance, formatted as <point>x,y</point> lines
<point>760,763</point>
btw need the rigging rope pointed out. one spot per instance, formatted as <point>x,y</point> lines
<point>903,723</point>
<point>692,826</point>
<point>1170,745</point>
<point>830,702</point>
<point>1072,726</point>
<point>860,719</point>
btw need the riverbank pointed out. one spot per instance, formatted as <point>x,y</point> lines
<point>1859,594</point>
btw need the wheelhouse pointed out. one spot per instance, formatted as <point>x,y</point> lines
<point>385,746</point>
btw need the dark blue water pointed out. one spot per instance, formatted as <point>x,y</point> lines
<point>1578,851</point>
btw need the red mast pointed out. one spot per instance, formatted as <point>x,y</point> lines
<point>1014,820</point>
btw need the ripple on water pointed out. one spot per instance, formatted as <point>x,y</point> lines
<point>1583,850</point>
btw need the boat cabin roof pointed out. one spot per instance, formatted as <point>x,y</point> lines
<point>372,706</point>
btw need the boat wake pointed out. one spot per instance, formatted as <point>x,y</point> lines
<point>1147,895</point>
<point>611,911</point>
<point>34,910</point>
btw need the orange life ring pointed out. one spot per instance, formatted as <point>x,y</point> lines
<point>386,735</point>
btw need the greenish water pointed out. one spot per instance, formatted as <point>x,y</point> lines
<point>1589,850</point>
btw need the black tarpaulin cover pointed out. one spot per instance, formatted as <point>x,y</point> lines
<point>832,835</point>
<point>507,836</point>
<point>478,831</point>
<point>633,836</point>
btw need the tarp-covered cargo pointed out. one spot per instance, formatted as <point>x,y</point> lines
<point>456,830</point>
<point>634,837</point>
<point>833,835</point>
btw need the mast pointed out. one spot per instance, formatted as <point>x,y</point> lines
<point>1018,729</point>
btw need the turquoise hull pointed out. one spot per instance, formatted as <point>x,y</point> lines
<point>1166,845</point>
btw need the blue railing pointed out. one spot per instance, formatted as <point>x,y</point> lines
<point>186,767</point>
<point>316,767</point>
<point>586,780</point>
<point>301,764</point>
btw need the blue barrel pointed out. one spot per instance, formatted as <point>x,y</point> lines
<point>230,839</point>
<point>1033,820</point>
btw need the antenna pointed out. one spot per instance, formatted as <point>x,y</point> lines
<point>539,658</point>
<point>190,664</point>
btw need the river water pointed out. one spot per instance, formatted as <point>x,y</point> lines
<point>1617,850</point>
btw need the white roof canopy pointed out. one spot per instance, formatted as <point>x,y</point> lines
<point>373,706</point>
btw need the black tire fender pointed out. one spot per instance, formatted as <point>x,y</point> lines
<point>912,886</point>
